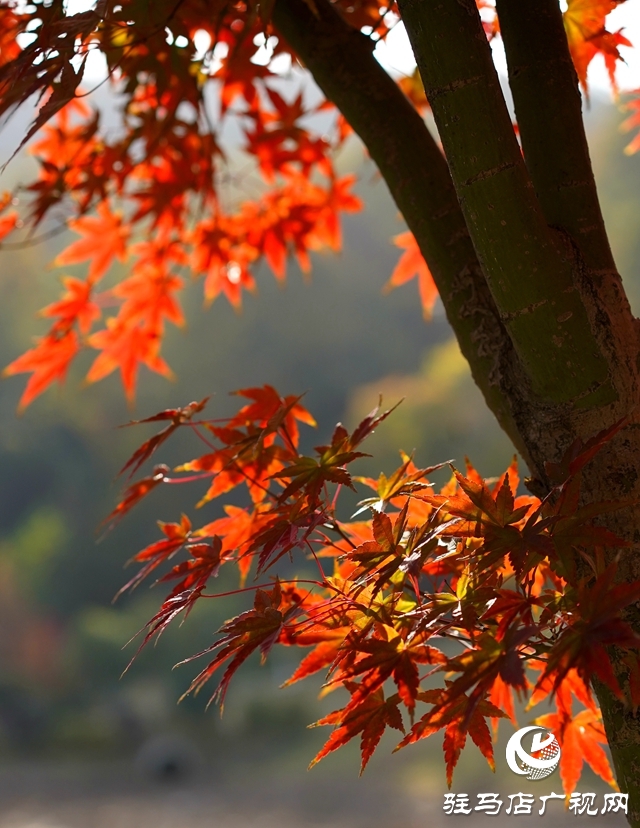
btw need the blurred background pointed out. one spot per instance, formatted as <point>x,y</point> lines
<point>81,747</point>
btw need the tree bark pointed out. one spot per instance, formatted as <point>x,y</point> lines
<point>548,108</point>
<point>523,265</point>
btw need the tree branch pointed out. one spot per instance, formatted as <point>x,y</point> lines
<point>342,64</point>
<point>531,279</point>
<point>549,112</point>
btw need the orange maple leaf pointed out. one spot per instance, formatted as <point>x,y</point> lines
<point>339,198</point>
<point>105,239</point>
<point>501,694</point>
<point>580,738</point>
<point>49,360</point>
<point>75,305</point>
<point>460,716</point>
<point>8,223</point>
<point>237,530</point>
<point>149,296</point>
<point>125,346</point>
<point>412,264</point>
<point>584,22</point>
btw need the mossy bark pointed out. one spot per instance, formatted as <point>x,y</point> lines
<point>530,277</point>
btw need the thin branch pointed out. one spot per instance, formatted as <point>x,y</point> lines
<point>31,242</point>
<point>258,586</point>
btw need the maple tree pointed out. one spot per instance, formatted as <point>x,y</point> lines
<point>503,224</point>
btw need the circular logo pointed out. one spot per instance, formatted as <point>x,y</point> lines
<point>541,760</point>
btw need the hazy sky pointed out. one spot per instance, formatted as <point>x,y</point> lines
<point>396,53</point>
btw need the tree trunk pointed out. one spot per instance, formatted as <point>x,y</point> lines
<point>539,234</point>
<point>522,260</point>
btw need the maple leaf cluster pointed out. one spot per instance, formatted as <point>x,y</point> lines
<point>185,74</point>
<point>433,610</point>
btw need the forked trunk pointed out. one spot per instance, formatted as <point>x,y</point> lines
<point>515,241</point>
